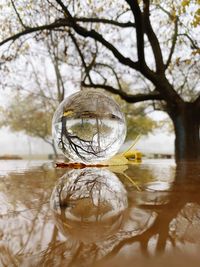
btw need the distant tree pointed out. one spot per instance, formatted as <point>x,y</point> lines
<point>33,116</point>
<point>153,44</point>
<point>138,123</point>
<point>29,115</point>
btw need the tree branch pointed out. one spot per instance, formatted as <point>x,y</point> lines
<point>105,21</point>
<point>193,43</point>
<point>113,71</point>
<point>18,15</point>
<point>153,39</point>
<point>173,43</point>
<point>55,61</point>
<point>98,37</point>
<point>87,69</point>
<point>139,30</point>
<point>128,97</point>
<point>56,24</point>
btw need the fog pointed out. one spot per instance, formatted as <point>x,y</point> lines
<point>21,144</point>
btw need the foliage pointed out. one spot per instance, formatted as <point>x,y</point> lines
<point>136,118</point>
<point>28,114</point>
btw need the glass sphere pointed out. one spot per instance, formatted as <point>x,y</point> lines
<point>89,126</point>
<point>89,204</point>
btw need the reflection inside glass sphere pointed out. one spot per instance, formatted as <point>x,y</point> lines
<point>89,204</point>
<point>89,126</point>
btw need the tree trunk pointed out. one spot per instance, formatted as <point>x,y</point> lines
<point>186,121</point>
<point>54,149</point>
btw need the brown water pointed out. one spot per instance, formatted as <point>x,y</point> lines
<point>146,214</point>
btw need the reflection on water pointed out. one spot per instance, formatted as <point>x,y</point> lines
<point>89,204</point>
<point>18,166</point>
<point>94,217</point>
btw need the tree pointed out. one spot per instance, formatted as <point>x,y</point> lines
<point>30,115</point>
<point>138,123</point>
<point>33,115</point>
<point>154,36</point>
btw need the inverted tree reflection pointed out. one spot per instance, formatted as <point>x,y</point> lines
<point>89,204</point>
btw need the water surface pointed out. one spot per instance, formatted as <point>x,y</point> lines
<point>145,214</point>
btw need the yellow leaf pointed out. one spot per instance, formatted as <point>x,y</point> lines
<point>185,3</point>
<point>117,160</point>
<point>124,158</point>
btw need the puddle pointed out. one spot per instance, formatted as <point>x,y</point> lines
<point>142,215</point>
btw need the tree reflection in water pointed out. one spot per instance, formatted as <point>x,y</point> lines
<point>89,204</point>
<point>100,217</point>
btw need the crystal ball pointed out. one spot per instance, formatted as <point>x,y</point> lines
<point>88,126</point>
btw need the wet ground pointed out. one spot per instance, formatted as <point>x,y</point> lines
<point>145,214</point>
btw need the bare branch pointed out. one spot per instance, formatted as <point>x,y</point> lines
<point>128,97</point>
<point>106,21</point>
<point>56,24</point>
<point>176,34</point>
<point>54,6</point>
<point>153,39</point>
<point>113,71</point>
<point>193,43</point>
<point>165,11</point>
<point>173,43</point>
<point>101,75</point>
<point>98,37</point>
<point>18,15</point>
<point>87,69</point>
<point>55,61</point>
<point>139,30</point>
